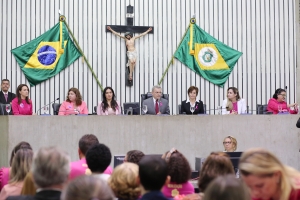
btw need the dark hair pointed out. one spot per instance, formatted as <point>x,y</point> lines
<point>98,158</point>
<point>134,156</point>
<point>226,187</point>
<point>192,88</point>
<point>78,100</point>
<point>178,166</point>
<point>216,164</point>
<point>19,88</point>
<point>21,145</point>
<point>86,142</point>
<point>235,91</point>
<point>277,92</point>
<point>129,33</point>
<point>113,103</point>
<point>153,172</point>
<point>5,80</point>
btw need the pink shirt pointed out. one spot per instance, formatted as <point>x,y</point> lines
<point>67,108</point>
<point>235,106</point>
<point>80,167</point>
<point>173,189</point>
<point>21,109</point>
<point>100,111</point>
<point>273,107</point>
<point>4,176</point>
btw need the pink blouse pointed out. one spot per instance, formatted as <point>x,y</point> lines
<point>273,107</point>
<point>107,112</point>
<point>4,176</point>
<point>67,108</point>
<point>23,108</point>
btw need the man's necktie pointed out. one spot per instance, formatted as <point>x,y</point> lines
<point>156,107</point>
<point>5,95</point>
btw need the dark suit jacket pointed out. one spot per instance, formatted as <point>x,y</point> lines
<point>185,107</point>
<point>10,97</point>
<point>154,195</point>
<point>298,123</point>
<point>42,195</point>
<point>163,106</point>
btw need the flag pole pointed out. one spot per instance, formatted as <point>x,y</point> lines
<point>63,19</point>
<point>172,59</point>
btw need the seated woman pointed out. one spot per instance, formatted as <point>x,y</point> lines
<point>233,104</point>
<point>230,144</point>
<point>266,177</point>
<point>22,105</point>
<point>109,106</point>
<point>20,167</point>
<point>74,104</point>
<point>5,171</point>
<point>180,172</point>
<point>192,102</point>
<point>277,103</point>
<point>124,181</point>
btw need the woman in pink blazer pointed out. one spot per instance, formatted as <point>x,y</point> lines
<point>22,105</point>
<point>109,106</point>
<point>74,104</point>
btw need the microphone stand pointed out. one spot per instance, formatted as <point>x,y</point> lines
<point>46,105</point>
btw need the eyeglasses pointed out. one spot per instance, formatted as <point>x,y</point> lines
<point>284,95</point>
<point>226,142</point>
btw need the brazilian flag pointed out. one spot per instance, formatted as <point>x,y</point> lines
<point>46,55</point>
<point>207,56</point>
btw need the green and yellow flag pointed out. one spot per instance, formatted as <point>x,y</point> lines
<point>207,56</point>
<point>46,55</point>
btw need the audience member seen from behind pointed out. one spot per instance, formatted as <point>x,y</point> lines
<point>5,96</point>
<point>267,177</point>
<point>87,188</point>
<point>22,105</point>
<point>98,158</point>
<point>192,102</point>
<point>20,167</point>
<point>180,172</point>
<point>50,169</point>
<point>80,167</point>
<point>277,104</point>
<point>124,181</point>
<point>74,104</point>
<point>5,171</point>
<point>230,144</point>
<point>109,105</point>
<point>134,156</point>
<point>228,188</point>
<point>216,164</point>
<point>156,105</point>
<point>153,173</point>
<point>234,104</point>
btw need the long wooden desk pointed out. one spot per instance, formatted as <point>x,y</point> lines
<point>194,136</point>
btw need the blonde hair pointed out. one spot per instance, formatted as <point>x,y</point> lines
<point>260,162</point>
<point>123,181</point>
<point>20,165</point>
<point>233,140</point>
<point>28,186</point>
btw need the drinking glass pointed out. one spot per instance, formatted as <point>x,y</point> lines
<point>192,109</point>
<point>280,108</point>
<point>219,110</point>
<point>145,109</point>
<point>8,108</point>
<point>46,109</point>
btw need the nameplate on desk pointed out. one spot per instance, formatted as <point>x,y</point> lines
<point>246,114</point>
<point>202,114</point>
<point>45,115</point>
<point>82,114</point>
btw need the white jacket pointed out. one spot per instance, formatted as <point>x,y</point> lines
<point>242,107</point>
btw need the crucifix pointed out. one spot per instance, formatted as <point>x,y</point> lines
<point>129,29</point>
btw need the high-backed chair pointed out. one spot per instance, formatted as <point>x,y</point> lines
<point>56,107</point>
<point>149,95</point>
<point>262,109</point>
<point>2,109</point>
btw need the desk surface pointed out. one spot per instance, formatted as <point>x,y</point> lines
<point>194,136</point>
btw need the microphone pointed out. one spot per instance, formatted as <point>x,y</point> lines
<point>46,105</point>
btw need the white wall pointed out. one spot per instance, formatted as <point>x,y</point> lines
<point>263,30</point>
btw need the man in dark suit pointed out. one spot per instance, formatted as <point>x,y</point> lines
<point>50,170</point>
<point>153,175</point>
<point>156,105</point>
<point>5,96</point>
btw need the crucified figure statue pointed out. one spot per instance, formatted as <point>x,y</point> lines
<point>131,51</point>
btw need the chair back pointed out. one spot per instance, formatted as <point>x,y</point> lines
<point>179,109</point>
<point>261,109</point>
<point>204,108</point>
<point>56,107</point>
<point>3,109</point>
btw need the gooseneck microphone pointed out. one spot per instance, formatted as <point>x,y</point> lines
<point>46,105</point>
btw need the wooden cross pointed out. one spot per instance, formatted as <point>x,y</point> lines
<point>129,28</point>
